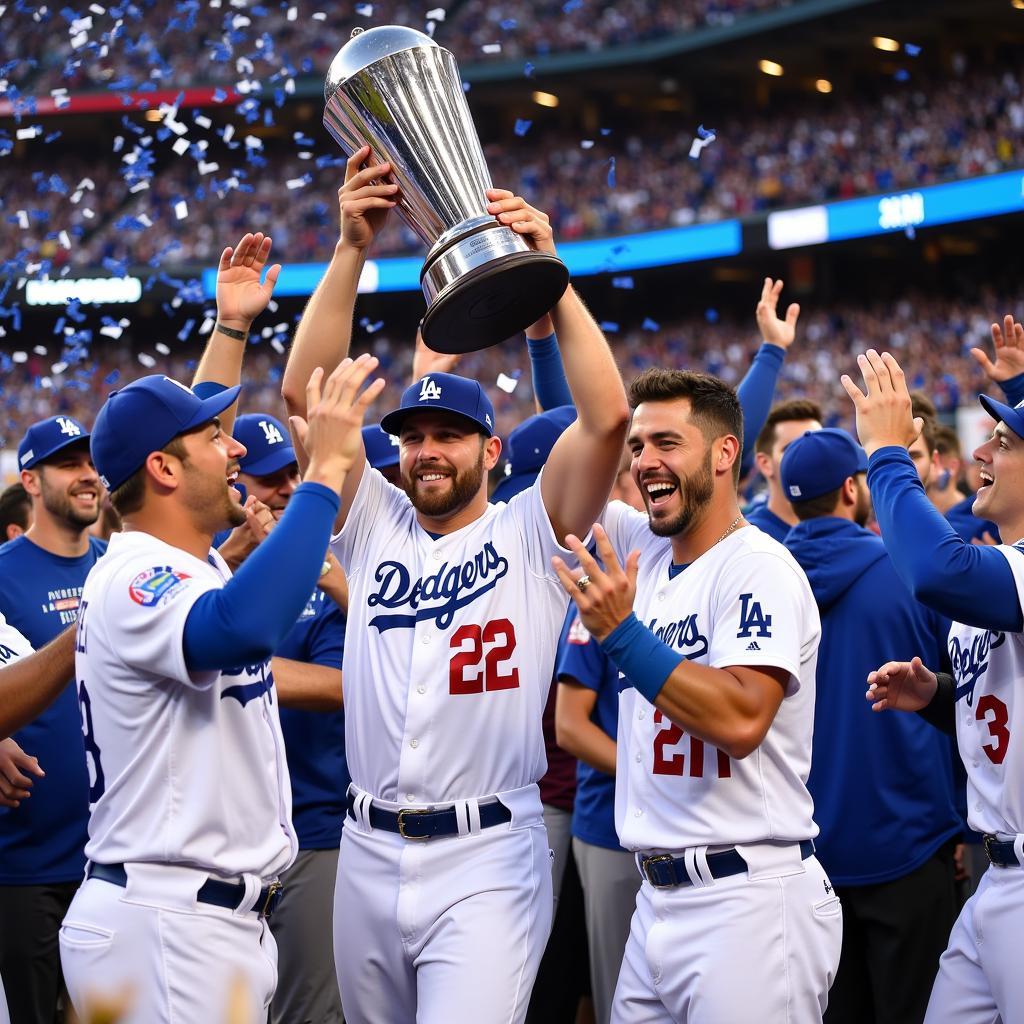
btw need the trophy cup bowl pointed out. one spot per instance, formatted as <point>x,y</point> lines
<point>395,90</point>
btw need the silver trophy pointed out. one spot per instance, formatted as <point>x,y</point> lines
<point>395,90</point>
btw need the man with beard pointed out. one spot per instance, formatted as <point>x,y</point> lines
<point>715,719</point>
<point>444,896</point>
<point>191,822</point>
<point>882,787</point>
<point>42,574</point>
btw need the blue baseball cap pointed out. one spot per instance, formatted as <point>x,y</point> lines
<point>381,447</point>
<point>529,446</point>
<point>448,392</point>
<point>1011,415</point>
<point>142,418</point>
<point>819,462</point>
<point>268,446</point>
<point>47,437</point>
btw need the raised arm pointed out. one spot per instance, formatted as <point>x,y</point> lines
<point>29,685</point>
<point>757,389</point>
<point>325,330</point>
<point>241,297</point>
<point>581,468</point>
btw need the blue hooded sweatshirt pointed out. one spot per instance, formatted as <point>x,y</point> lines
<point>882,782</point>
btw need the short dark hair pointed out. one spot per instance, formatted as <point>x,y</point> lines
<point>922,405</point>
<point>15,508</point>
<point>929,432</point>
<point>785,412</point>
<point>714,408</point>
<point>815,508</point>
<point>128,497</point>
<point>947,440</point>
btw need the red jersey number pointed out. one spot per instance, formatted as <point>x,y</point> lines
<point>480,659</point>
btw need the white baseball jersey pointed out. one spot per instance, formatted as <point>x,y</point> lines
<point>12,644</point>
<point>449,646</point>
<point>988,668</point>
<point>745,601</point>
<point>191,764</point>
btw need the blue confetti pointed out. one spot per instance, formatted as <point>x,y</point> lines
<point>650,325</point>
<point>611,172</point>
<point>705,133</point>
<point>910,232</point>
<point>902,75</point>
<point>302,140</point>
<point>528,69</point>
<point>522,127</point>
<point>112,377</point>
<point>219,95</point>
<point>571,5</point>
<point>711,315</point>
<point>911,49</point>
<point>606,131</point>
<point>609,326</point>
<point>186,330</point>
<point>508,24</point>
<point>622,282</point>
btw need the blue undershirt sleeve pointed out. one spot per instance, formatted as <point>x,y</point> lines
<point>1013,389</point>
<point>755,392</point>
<point>244,621</point>
<point>549,383</point>
<point>968,583</point>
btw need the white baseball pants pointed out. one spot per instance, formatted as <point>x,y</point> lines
<point>172,961</point>
<point>737,949</point>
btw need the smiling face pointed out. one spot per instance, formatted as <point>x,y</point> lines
<point>444,461</point>
<point>210,469</point>
<point>675,467</point>
<point>1001,473</point>
<point>68,488</point>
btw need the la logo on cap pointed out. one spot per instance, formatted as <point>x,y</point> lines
<point>271,433</point>
<point>69,427</point>
<point>794,491</point>
<point>429,390</point>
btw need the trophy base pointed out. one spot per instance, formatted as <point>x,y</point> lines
<point>492,301</point>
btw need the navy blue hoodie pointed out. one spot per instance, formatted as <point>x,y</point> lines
<point>881,782</point>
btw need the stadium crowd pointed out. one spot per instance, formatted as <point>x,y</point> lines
<point>910,134</point>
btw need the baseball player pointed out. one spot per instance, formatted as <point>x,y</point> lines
<point>41,841</point>
<point>980,588</point>
<point>444,892</point>
<point>191,823</point>
<point>716,638</point>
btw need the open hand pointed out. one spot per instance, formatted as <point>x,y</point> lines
<point>773,330</point>
<point>240,295</point>
<point>1009,346</point>
<point>884,414</point>
<point>607,599</point>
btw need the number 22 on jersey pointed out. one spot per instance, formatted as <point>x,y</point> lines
<point>493,644</point>
<point>672,758</point>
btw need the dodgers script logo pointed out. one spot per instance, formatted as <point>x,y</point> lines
<point>455,586</point>
<point>245,692</point>
<point>971,663</point>
<point>684,634</point>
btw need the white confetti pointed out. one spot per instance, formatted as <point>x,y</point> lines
<point>64,239</point>
<point>97,10</point>
<point>181,146</point>
<point>229,132</point>
<point>587,144</point>
<point>319,16</point>
<point>87,213</point>
<point>147,360</point>
<point>23,220</point>
<point>58,368</point>
<point>27,133</point>
<point>252,142</point>
<point>19,357</point>
<point>206,326</point>
<point>294,183</point>
<point>491,48</point>
<point>144,220</point>
<point>77,42</point>
<point>162,348</point>
<point>275,344</point>
<point>293,13</point>
<point>203,121</point>
<point>181,209</point>
<point>437,14</point>
<point>507,383</point>
<point>111,331</point>
<point>140,186</point>
<point>40,350</point>
<point>176,126</point>
<point>208,168</point>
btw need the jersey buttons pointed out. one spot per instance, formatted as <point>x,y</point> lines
<point>421,689</point>
<point>414,743</point>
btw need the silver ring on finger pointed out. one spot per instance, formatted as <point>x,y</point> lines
<point>583,582</point>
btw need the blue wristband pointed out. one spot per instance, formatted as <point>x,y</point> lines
<point>646,661</point>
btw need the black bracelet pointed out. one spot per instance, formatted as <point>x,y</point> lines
<point>231,332</point>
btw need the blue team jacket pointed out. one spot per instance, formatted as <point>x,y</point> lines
<point>881,782</point>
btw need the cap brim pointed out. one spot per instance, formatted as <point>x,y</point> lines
<point>1013,418</point>
<point>212,406</point>
<point>270,463</point>
<point>81,439</point>
<point>392,422</point>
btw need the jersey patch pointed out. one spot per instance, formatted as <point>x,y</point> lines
<point>152,585</point>
<point>752,618</point>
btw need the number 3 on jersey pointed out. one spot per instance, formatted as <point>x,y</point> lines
<point>493,644</point>
<point>670,735</point>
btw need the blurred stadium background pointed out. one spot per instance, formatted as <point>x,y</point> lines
<point>869,152</point>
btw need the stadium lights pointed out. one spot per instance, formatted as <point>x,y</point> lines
<point>545,99</point>
<point>1019,4</point>
<point>154,115</point>
<point>884,43</point>
<point>823,85</point>
<point>769,67</point>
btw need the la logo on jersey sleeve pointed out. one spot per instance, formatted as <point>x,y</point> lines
<point>153,586</point>
<point>753,621</point>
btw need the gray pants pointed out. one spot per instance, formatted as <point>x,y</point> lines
<point>610,882</point>
<point>303,926</point>
<point>559,826</point>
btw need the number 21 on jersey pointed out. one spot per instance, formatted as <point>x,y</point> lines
<point>671,756</point>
